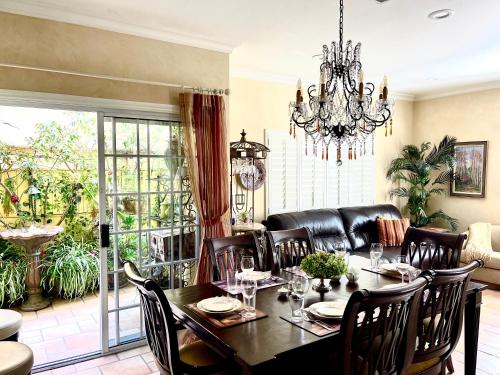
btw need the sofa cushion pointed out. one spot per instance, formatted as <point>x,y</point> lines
<point>495,237</point>
<point>326,226</point>
<point>360,223</point>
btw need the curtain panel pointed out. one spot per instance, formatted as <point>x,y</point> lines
<point>205,143</point>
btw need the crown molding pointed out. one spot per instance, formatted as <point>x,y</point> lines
<point>84,103</point>
<point>485,86</point>
<point>61,15</point>
<point>255,75</point>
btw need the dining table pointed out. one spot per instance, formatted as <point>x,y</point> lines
<point>274,345</point>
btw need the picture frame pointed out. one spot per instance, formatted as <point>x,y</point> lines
<point>469,171</point>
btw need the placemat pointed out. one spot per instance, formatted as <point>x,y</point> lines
<point>297,271</point>
<point>388,274</point>
<point>313,327</point>
<point>274,281</point>
<point>227,320</point>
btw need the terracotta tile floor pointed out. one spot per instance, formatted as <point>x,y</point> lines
<point>140,360</point>
<point>70,328</point>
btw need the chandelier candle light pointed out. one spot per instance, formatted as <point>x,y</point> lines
<point>342,111</point>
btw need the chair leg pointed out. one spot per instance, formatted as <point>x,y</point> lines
<point>449,365</point>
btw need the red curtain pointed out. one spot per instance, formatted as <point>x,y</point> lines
<point>205,143</point>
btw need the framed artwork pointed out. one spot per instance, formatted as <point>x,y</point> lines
<point>470,170</point>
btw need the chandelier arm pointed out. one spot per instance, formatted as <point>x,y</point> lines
<point>378,123</point>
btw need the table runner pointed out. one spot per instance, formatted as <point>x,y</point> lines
<point>226,320</point>
<point>313,327</point>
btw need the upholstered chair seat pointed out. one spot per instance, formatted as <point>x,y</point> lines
<point>10,323</point>
<point>199,356</point>
<point>15,358</point>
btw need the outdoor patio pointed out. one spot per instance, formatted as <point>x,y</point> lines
<point>70,328</point>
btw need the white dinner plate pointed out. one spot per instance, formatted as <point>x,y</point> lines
<point>392,267</point>
<point>218,305</point>
<point>255,275</point>
<point>329,309</point>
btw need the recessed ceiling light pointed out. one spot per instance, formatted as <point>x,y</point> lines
<point>440,14</point>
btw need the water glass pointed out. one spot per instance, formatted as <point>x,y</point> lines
<point>249,290</point>
<point>300,285</point>
<point>247,264</point>
<point>231,280</point>
<point>296,305</point>
<point>403,266</point>
<point>376,251</point>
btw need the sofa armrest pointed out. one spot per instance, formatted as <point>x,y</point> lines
<point>466,233</point>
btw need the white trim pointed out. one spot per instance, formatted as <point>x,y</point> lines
<point>83,103</point>
<point>485,86</point>
<point>61,15</point>
<point>257,75</point>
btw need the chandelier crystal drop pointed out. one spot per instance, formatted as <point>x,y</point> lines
<point>343,109</point>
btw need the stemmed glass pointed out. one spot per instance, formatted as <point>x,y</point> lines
<point>339,249</point>
<point>376,251</point>
<point>402,266</point>
<point>247,264</point>
<point>249,290</point>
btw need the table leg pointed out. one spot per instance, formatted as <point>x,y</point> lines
<point>35,300</point>
<point>471,326</point>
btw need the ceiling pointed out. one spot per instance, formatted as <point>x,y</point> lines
<point>277,39</point>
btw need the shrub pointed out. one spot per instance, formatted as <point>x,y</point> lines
<point>13,268</point>
<point>70,268</point>
<point>323,265</point>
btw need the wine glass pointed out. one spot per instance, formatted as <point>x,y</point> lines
<point>339,249</point>
<point>249,290</point>
<point>247,264</point>
<point>376,251</point>
<point>402,266</point>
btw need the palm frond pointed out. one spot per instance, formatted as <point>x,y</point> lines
<point>441,216</point>
<point>424,147</point>
<point>436,191</point>
<point>442,154</point>
<point>411,152</point>
<point>443,178</point>
<point>400,192</point>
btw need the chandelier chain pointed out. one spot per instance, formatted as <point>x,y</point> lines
<point>341,26</point>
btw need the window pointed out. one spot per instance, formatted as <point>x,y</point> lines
<point>297,181</point>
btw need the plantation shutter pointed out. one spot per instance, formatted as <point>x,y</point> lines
<point>282,172</point>
<point>297,181</point>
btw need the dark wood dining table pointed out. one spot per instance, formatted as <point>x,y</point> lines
<point>267,345</point>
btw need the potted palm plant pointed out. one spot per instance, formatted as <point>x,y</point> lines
<point>423,172</point>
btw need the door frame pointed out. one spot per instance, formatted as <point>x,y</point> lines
<point>102,107</point>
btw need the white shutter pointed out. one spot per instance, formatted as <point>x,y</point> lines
<point>296,181</point>
<point>282,171</point>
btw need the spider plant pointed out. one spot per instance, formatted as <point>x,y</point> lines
<point>415,170</point>
<point>70,268</point>
<point>13,268</point>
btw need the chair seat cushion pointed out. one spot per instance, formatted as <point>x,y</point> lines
<point>15,358</point>
<point>10,323</point>
<point>417,368</point>
<point>198,354</point>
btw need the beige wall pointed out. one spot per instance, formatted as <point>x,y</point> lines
<point>469,117</point>
<point>48,44</point>
<point>259,105</point>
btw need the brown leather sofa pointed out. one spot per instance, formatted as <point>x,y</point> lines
<point>354,226</point>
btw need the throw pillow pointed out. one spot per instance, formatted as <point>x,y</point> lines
<point>391,232</point>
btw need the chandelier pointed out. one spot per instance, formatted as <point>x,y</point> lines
<point>343,111</point>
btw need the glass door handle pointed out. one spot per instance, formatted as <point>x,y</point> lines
<point>104,231</point>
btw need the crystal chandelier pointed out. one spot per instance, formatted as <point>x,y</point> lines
<point>343,110</point>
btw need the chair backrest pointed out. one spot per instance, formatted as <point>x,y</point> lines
<point>226,253</point>
<point>287,248</point>
<point>159,321</point>
<point>432,250</point>
<point>378,329</point>
<point>441,312</point>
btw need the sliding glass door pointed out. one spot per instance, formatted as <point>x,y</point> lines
<point>147,206</point>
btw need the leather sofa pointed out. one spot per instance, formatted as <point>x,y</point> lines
<point>354,226</point>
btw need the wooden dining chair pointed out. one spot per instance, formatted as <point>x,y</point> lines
<point>440,319</point>
<point>226,253</point>
<point>287,248</point>
<point>161,333</point>
<point>432,250</point>
<point>378,329</point>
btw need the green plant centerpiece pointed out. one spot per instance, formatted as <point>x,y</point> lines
<point>322,265</point>
<point>421,174</point>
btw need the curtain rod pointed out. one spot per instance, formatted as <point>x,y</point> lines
<point>121,79</point>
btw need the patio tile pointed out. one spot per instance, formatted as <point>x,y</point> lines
<point>96,362</point>
<point>88,341</point>
<point>64,370</point>
<point>129,366</point>
<point>92,371</point>
<point>62,330</point>
<point>40,323</point>
<point>133,352</point>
